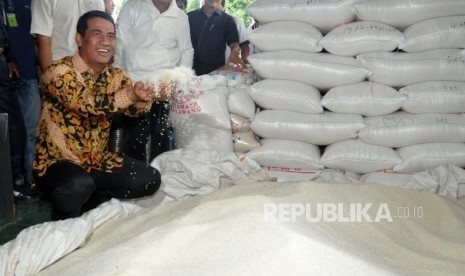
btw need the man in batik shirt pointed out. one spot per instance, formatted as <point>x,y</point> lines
<point>80,95</point>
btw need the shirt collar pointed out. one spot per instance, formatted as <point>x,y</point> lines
<point>81,66</point>
<point>172,10</point>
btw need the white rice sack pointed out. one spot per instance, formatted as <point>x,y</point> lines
<point>209,108</point>
<point>401,69</point>
<point>321,70</point>
<point>387,177</point>
<point>402,13</point>
<point>358,157</point>
<point>286,35</point>
<point>200,117</point>
<point>197,136</point>
<point>232,78</point>
<point>425,156</point>
<point>283,174</point>
<point>402,129</point>
<point>443,32</point>
<point>365,98</point>
<point>323,14</point>
<point>245,141</point>
<point>360,37</point>
<point>434,97</point>
<point>240,102</point>
<point>239,123</point>
<point>286,95</point>
<point>318,129</point>
<point>286,153</point>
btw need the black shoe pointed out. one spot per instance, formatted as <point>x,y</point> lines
<point>24,194</point>
<point>22,198</point>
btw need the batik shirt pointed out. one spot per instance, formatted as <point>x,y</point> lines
<point>76,115</point>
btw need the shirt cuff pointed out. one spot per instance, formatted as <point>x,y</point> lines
<point>122,99</point>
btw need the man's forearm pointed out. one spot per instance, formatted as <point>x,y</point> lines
<point>44,51</point>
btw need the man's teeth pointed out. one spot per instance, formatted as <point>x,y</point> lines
<point>103,50</point>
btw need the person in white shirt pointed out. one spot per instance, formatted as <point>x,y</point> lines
<point>54,26</point>
<point>243,40</point>
<point>152,35</point>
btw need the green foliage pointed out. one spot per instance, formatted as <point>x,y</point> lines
<point>239,9</point>
<point>235,7</point>
<point>193,5</point>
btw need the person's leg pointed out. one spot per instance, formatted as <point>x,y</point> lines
<point>137,131</point>
<point>133,180</point>
<point>29,100</point>
<point>160,140</point>
<point>9,104</point>
<point>68,187</point>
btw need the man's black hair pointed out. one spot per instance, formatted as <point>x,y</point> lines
<point>82,22</point>
<point>183,1</point>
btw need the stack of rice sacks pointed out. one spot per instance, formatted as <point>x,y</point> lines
<point>362,86</point>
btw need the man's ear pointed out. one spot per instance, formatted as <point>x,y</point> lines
<point>78,40</point>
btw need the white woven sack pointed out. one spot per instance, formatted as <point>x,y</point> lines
<point>240,102</point>
<point>286,153</point>
<point>286,35</point>
<point>239,123</point>
<point>358,157</point>
<point>365,98</point>
<point>434,97</point>
<point>442,32</point>
<point>245,141</point>
<point>318,129</point>
<point>197,136</point>
<point>425,156</point>
<point>323,14</point>
<point>387,177</point>
<point>206,104</point>
<point>401,69</point>
<point>402,129</point>
<point>360,37</point>
<point>321,70</point>
<point>402,13</point>
<point>286,95</point>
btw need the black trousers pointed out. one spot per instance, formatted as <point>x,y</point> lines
<point>9,104</point>
<point>153,126</point>
<point>72,190</point>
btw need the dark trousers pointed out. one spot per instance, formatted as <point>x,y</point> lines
<point>9,104</point>
<point>72,190</point>
<point>152,126</point>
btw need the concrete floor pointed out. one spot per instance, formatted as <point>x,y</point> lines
<point>27,214</point>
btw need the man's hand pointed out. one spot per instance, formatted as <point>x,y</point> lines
<point>146,93</point>
<point>141,93</point>
<point>234,62</point>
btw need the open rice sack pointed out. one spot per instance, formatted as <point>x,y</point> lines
<point>200,117</point>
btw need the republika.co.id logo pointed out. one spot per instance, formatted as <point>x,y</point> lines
<point>338,212</point>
